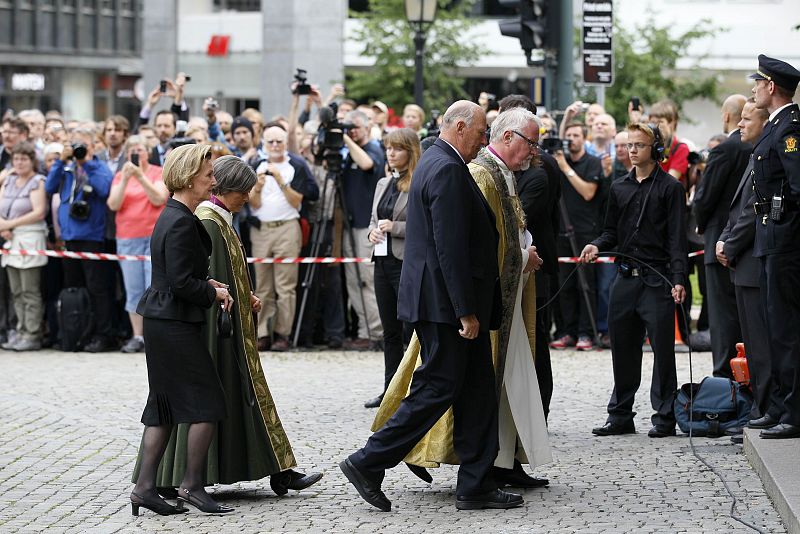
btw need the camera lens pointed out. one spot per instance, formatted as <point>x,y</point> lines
<point>79,151</point>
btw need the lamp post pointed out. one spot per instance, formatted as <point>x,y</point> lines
<point>420,15</point>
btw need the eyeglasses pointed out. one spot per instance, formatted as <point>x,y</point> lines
<point>531,144</point>
<point>637,146</point>
<point>274,141</point>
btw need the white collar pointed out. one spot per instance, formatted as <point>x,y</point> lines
<point>454,148</point>
<point>775,113</point>
<point>225,214</point>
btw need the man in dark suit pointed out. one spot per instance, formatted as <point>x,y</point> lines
<point>735,251</point>
<point>449,291</point>
<point>539,190</point>
<point>712,201</point>
<point>776,180</point>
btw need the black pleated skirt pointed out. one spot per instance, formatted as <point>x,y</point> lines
<point>184,384</point>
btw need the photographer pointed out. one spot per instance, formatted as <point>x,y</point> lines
<point>363,167</point>
<point>83,183</point>
<point>582,175</point>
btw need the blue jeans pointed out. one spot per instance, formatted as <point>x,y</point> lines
<point>135,274</point>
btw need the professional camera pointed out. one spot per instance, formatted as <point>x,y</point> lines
<point>330,137</point>
<point>698,157</point>
<point>433,124</point>
<point>551,145</point>
<point>79,151</point>
<point>175,142</point>
<point>80,209</point>
<point>302,88</point>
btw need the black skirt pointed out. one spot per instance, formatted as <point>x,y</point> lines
<point>184,384</point>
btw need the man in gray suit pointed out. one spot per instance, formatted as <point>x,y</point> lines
<point>735,251</point>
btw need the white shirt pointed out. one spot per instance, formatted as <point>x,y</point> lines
<point>456,150</point>
<point>775,113</point>
<point>274,206</point>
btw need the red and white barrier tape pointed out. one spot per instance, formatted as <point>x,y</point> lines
<point>131,257</point>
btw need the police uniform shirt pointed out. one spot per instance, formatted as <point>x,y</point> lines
<point>776,172</point>
<point>661,238</point>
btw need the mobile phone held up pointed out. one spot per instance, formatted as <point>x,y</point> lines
<point>135,159</point>
<point>635,103</point>
<point>163,86</point>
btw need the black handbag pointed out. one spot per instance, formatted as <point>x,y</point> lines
<point>224,323</point>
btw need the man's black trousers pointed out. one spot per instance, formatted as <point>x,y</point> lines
<point>756,346</point>
<point>642,306</point>
<point>454,372</point>
<point>781,301</point>
<point>722,318</point>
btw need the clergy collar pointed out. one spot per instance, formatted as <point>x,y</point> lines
<point>221,210</point>
<point>497,157</point>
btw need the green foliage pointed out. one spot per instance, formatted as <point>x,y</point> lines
<point>388,38</point>
<point>645,61</point>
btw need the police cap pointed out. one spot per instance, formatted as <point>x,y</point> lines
<point>777,71</point>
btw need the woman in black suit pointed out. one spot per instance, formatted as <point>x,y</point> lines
<point>184,385</point>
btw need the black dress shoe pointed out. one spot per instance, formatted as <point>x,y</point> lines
<point>781,431</point>
<point>421,472</point>
<point>101,344</point>
<point>614,429</point>
<point>369,490</point>
<point>737,439</point>
<point>661,432</point>
<point>767,421</point>
<point>287,480</point>
<point>154,504</point>
<point>374,403</point>
<point>498,499</point>
<point>207,505</point>
<point>517,479</point>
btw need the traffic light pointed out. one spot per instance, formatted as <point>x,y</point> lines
<point>535,27</point>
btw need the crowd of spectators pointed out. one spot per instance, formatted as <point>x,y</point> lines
<point>85,186</point>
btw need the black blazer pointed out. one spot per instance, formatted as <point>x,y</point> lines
<point>450,260</point>
<point>739,234</point>
<point>712,200</point>
<point>776,166</point>
<point>179,251</point>
<point>539,189</point>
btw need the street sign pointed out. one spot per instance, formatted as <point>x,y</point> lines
<point>596,43</point>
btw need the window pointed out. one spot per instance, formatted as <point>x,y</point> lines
<point>237,5</point>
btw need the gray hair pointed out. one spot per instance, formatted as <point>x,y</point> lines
<point>359,117</point>
<point>135,140</point>
<point>463,110</point>
<point>233,175</point>
<point>512,119</point>
<point>33,114</point>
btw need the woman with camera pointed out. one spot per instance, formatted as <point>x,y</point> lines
<point>23,205</point>
<point>387,230</point>
<point>138,195</point>
<point>184,384</point>
<point>251,442</point>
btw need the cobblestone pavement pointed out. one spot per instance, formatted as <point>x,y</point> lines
<point>69,431</point>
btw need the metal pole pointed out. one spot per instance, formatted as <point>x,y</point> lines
<point>566,70</point>
<point>419,45</point>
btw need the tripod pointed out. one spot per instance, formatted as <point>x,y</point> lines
<point>333,160</point>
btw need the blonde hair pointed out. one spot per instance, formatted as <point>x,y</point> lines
<point>416,109</point>
<point>183,164</point>
<point>408,140</point>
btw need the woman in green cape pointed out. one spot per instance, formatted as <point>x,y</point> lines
<point>251,443</point>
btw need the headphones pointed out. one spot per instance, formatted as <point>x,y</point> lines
<point>658,143</point>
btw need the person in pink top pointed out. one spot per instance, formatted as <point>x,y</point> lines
<point>138,195</point>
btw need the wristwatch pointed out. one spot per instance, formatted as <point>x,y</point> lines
<point>571,173</point>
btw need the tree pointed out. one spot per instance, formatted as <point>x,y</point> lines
<point>644,66</point>
<point>388,38</point>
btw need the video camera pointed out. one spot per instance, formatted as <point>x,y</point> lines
<point>302,88</point>
<point>330,138</point>
<point>551,145</point>
<point>698,157</point>
<point>433,124</point>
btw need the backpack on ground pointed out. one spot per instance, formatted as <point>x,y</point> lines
<point>74,318</point>
<point>717,404</point>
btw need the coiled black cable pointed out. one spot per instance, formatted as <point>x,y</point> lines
<point>733,511</point>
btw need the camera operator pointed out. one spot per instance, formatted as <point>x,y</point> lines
<point>645,219</point>
<point>363,167</point>
<point>583,173</point>
<point>83,183</point>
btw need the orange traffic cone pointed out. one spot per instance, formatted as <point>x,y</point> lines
<point>678,338</point>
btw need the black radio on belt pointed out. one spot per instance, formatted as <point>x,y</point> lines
<point>776,208</point>
<point>625,269</point>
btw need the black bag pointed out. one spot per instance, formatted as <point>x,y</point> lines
<point>224,323</point>
<point>75,319</point>
<point>717,404</point>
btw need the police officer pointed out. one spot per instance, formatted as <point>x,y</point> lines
<point>645,218</point>
<point>776,182</point>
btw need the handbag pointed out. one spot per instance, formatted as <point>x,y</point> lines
<point>224,323</point>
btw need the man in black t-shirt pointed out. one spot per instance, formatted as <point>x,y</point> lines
<point>580,183</point>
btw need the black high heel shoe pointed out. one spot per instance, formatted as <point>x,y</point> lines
<point>210,508</point>
<point>158,506</point>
